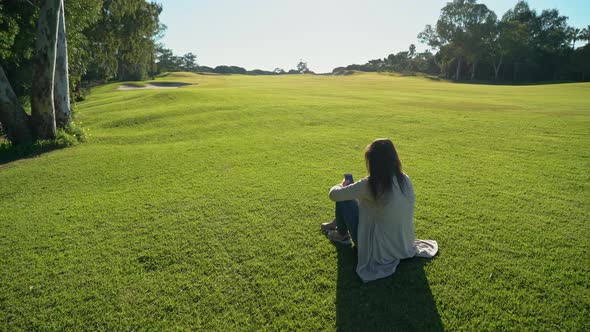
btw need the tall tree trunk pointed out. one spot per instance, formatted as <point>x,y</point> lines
<point>473,70</point>
<point>497,67</point>
<point>61,93</point>
<point>458,68</point>
<point>15,122</point>
<point>152,65</point>
<point>42,108</point>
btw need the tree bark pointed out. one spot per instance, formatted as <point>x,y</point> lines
<point>473,71</point>
<point>497,67</point>
<point>61,93</point>
<point>15,122</point>
<point>458,68</point>
<point>42,108</point>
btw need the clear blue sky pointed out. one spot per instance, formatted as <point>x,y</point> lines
<point>265,34</point>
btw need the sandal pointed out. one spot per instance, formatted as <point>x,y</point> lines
<point>328,226</point>
<point>334,236</point>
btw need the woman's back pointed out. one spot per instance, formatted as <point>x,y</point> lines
<point>386,227</point>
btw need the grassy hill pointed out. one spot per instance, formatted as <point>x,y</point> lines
<point>199,208</point>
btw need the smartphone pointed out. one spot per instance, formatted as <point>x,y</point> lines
<point>348,177</point>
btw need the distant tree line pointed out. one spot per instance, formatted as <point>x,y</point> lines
<point>167,61</point>
<point>402,62</point>
<point>469,42</point>
<point>243,71</point>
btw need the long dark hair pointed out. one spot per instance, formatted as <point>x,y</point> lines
<point>383,164</point>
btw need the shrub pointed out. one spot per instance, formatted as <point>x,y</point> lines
<point>71,135</point>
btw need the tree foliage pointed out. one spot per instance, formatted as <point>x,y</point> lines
<point>123,40</point>
<point>42,102</point>
<point>302,67</point>
<point>469,41</point>
<point>403,62</point>
<point>523,46</point>
<point>105,40</point>
<point>18,21</point>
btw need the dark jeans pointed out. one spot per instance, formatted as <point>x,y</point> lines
<point>347,218</point>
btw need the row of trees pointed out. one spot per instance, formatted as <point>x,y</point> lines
<point>403,62</point>
<point>469,42</point>
<point>167,61</point>
<point>301,69</point>
<point>105,40</point>
<point>123,40</point>
<point>521,46</point>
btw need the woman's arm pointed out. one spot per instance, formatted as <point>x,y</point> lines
<point>409,189</point>
<point>340,193</point>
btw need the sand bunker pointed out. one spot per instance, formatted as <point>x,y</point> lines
<point>153,85</point>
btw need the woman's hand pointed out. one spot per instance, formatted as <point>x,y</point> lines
<point>345,183</point>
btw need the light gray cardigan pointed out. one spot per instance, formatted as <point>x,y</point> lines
<point>385,229</point>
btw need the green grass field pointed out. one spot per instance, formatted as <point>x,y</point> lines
<point>198,208</point>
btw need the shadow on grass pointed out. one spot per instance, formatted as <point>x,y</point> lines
<point>10,153</point>
<point>498,83</point>
<point>402,302</point>
<point>169,84</point>
<point>517,83</point>
<point>65,137</point>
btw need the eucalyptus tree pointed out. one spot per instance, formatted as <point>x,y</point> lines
<point>49,85</point>
<point>166,60</point>
<point>137,24</point>
<point>520,24</point>
<point>15,122</point>
<point>461,30</point>
<point>61,93</point>
<point>545,49</point>
<point>585,34</point>
<point>302,67</point>
<point>123,40</point>
<point>412,51</point>
<point>80,16</point>
<point>451,29</point>
<point>507,40</point>
<point>574,34</point>
<point>42,103</point>
<point>189,62</point>
<point>480,28</point>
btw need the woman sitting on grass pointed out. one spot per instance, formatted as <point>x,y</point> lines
<point>378,213</point>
